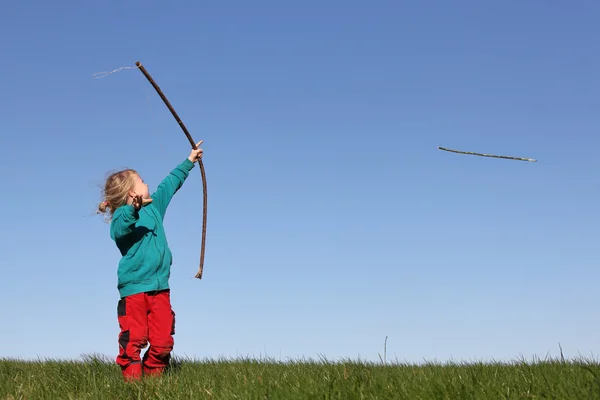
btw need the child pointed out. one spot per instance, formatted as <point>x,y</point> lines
<point>144,309</point>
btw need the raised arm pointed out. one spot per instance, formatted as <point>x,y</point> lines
<point>170,185</point>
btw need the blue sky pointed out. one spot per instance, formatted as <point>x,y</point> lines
<point>333,219</point>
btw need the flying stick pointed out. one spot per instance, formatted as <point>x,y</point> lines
<point>487,155</point>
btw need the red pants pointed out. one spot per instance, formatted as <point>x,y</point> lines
<point>145,317</point>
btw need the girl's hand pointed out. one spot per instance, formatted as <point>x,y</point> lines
<point>195,155</point>
<point>138,202</point>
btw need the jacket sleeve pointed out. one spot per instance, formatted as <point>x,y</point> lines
<point>170,185</point>
<point>123,222</point>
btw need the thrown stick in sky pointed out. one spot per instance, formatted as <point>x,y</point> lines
<point>488,155</point>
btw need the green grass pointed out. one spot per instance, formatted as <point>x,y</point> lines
<point>97,378</point>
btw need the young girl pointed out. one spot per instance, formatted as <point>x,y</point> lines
<point>144,309</point>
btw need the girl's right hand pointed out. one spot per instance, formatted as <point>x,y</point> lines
<point>138,202</point>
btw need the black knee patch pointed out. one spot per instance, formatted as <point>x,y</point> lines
<point>124,341</point>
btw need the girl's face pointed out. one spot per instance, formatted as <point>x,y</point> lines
<point>140,187</point>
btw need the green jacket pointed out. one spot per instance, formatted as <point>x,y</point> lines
<point>140,236</point>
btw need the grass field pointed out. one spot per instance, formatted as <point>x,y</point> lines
<point>99,378</point>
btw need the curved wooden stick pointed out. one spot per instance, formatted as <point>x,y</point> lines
<point>189,137</point>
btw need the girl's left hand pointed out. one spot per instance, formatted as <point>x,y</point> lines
<point>195,155</point>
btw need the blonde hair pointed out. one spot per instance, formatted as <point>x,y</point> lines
<point>115,192</point>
